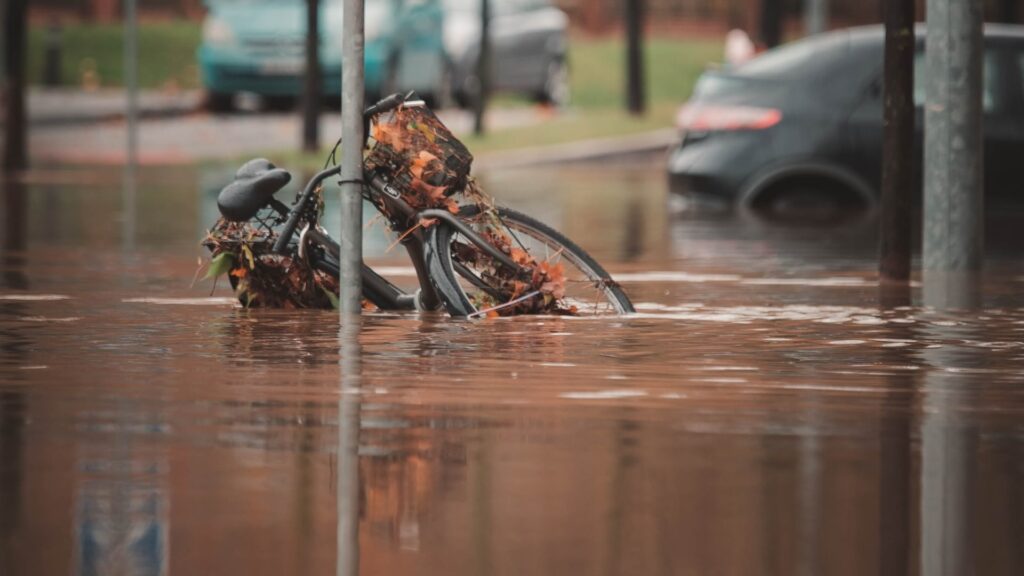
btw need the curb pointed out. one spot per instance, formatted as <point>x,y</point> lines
<point>581,151</point>
<point>48,108</point>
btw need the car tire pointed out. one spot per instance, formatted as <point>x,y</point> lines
<point>556,90</point>
<point>219,101</point>
<point>806,204</point>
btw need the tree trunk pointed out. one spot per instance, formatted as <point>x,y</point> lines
<point>635,97</point>
<point>898,146</point>
<point>311,95</point>
<point>771,23</point>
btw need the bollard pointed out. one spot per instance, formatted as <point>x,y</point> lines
<point>352,81</point>
<point>953,176</point>
<point>53,57</point>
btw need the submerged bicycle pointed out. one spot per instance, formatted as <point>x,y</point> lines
<point>471,258</point>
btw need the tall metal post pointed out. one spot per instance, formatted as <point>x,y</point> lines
<point>483,68</point>
<point>635,97</point>
<point>953,176</point>
<point>311,90</point>
<point>131,86</point>
<point>15,30</point>
<point>898,146</point>
<point>816,16</point>
<point>131,82</point>
<point>351,285</point>
<point>771,23</point>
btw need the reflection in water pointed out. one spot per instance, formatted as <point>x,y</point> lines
<point>15,219</point>
<point>129,209</point>
<point>12,422</point>
<point>760,416</point>
<point>348,447</point>
<point>895,507</point>
<point>948,449</point>
<point>122,519</point>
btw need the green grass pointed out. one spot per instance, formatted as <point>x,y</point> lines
<point>167,56</point>
<point>167,53</point>
<point>572,126</point>
<point>671,66</point>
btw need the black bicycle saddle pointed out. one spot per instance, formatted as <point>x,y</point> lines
<point>254,187</point>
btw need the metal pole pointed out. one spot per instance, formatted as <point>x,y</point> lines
<point>816,16</point>
<point>635,97</point>
<point>483,68</point>
<point>351,285</point>
<point>771,23</point>
<point>312,93</point>
<point>15,152</point>
<point>953,177</point>
<point>898,147</point>
<point>131,83</point>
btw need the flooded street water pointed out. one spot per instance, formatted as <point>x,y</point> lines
<point>769,410</point>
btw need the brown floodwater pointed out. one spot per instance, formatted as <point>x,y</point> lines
<point>769,410</point>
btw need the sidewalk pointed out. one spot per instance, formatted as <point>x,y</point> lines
<point>75,127</point>
<point>71,106</point>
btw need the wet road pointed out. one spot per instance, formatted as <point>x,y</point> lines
<point>769,410</point>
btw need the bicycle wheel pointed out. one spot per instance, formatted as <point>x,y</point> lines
<point>467,282</point>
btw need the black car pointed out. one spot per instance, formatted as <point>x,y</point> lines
<point>801,125</point>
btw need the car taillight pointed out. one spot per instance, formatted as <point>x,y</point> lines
<point>710,118</point>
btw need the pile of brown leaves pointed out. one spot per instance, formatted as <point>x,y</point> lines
<point>430,167</point>
<point>261,278</point>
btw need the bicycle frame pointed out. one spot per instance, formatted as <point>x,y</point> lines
<point>404,220</point>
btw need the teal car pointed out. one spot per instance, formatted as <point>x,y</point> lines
<point>258,47</point>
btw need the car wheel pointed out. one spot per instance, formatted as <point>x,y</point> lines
<point>556,84</point>
<point>219,101</point>
<point>821,204</point>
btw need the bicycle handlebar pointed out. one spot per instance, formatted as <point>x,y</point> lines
<point>386,104</point>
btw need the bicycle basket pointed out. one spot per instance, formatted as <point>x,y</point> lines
<point>426,162</point>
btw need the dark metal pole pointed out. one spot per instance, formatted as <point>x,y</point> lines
<point>483,68</point>
<point>635,97</point>
<point>311,91</point>
<point>52,58</point>
<point>898,147</point>
<point>15,152</point>
<point>1009,11</point>
<point>771,23</point>
<point>953,161</point>
<point>351,285</point>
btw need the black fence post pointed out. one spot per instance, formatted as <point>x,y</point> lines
<point>898,147</point>
<point>311,94</point>
<point>483,69</point>
<point>771,23</point>
<point>635,89</point>
<point>15,153</point>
